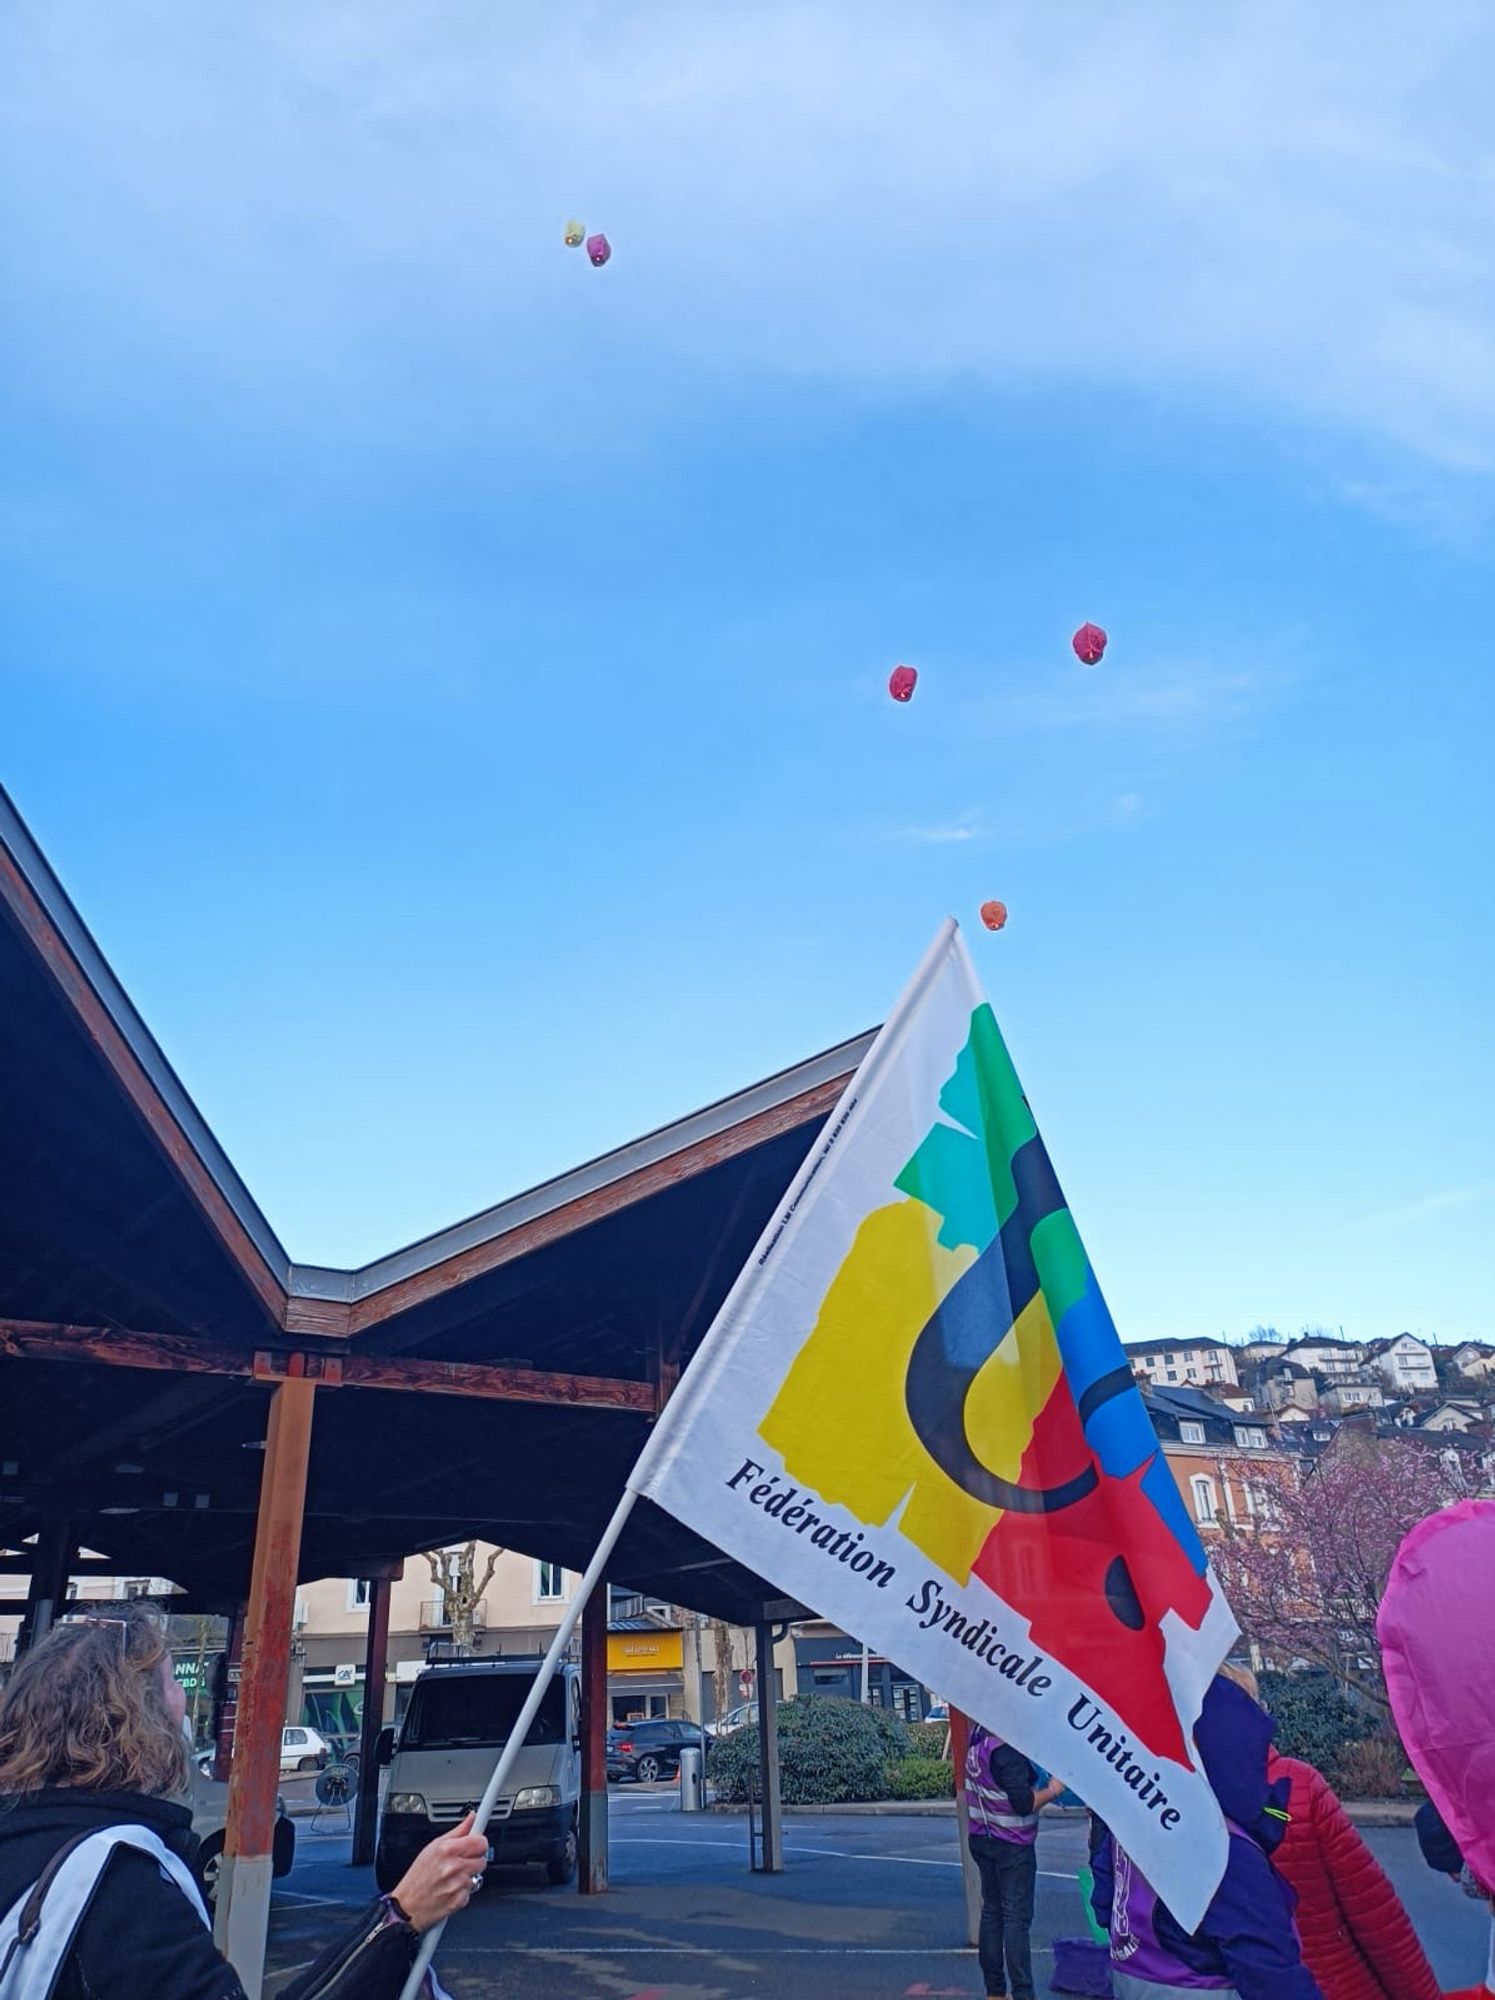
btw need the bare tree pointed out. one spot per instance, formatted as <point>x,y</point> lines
<point>454,1572</point>
<point>721,1646</point>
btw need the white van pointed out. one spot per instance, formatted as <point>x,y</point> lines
<point>458,1720</point>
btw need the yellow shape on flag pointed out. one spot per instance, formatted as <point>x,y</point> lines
<point>840,1421</point>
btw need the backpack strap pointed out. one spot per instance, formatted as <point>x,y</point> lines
<point>31,1955</point>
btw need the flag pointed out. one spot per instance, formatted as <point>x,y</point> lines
<point>913,1414</point>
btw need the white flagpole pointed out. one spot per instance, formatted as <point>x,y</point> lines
<point>887,1042</point>
<point>527,1714</point>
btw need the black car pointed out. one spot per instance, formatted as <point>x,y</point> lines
<point>649,1750</point>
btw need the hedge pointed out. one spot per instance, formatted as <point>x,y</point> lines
<point>831,1752</point>
<point>921,1778</point>
<point>927,1739</point>
<point>1316,1719</point>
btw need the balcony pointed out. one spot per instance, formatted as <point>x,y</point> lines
<point>434,1616</point>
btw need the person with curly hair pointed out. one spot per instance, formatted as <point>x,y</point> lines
<point>98,1897</point>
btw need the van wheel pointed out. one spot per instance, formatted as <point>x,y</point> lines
<point>207,1866</point>
<point>562,1871</point>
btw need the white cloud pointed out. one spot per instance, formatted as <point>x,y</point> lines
<point>355,210</point>
<point>948,832</point>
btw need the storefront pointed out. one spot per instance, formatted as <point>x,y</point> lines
<point>645,1671</point>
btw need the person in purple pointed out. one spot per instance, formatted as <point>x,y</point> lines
<point>1004,1798</point>
<point>1247,1945</point>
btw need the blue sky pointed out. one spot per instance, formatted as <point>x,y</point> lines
<point>450,679</point>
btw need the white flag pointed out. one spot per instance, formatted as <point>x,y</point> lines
<point>913,1414</point>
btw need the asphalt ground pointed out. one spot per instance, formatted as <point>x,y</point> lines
<point>868,1908</point>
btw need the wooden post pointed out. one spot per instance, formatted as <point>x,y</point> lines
<point>592,1877</point>
<point>768,1753</point>
<point>243,1912</point>
<point>375,1668</point>
<point>960,1742</point>
<point>47,1591</point>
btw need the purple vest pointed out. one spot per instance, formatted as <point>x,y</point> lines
<point>1135,1948</point>
<point>991,1811</point>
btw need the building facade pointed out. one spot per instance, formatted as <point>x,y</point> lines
<point>1197,1364</point>
<point>1407,1364</point>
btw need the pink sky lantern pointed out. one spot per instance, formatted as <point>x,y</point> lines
<point>1089,643</point>
<point>902,682</point>
<point>1436,1626</point>
<point>599,249</point>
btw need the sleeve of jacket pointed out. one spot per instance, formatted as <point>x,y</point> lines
<point>1103,1874</point>
<point>142,1940</point>
<point>1250,1925</point>
<point>1011,1770</point>
<point>1371,1908</point>
<point>371,1960</point>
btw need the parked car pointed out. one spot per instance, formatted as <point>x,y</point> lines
<point>646,1751</point>
<point>210,1818</point>
<point>459,1719</point>
<point>303,1749</point>
<point>735,1718</point>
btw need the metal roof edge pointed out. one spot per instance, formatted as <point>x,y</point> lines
<point>16,837</point>
<point>316,1282</point>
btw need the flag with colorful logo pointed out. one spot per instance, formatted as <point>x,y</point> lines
<point>914,1416</point>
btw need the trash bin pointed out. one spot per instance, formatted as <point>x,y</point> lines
<point>692,1779</point>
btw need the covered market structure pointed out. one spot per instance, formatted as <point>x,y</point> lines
<point>182,1399</point>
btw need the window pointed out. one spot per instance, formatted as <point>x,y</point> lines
<point>550,1583</point>
<point>1170,1374</point>
<point>358,1593</point>
<point>1253,1437</point>
<point>1191,1433</point>
<point>137,1586</point>
<point>1206,1507</point>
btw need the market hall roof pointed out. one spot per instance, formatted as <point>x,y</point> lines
<point>120,1213</point>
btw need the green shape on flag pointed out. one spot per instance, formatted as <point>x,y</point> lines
<point>964,1171</point>
<point>1063,1267</point>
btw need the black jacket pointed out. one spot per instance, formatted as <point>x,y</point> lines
<point>141,1939</point>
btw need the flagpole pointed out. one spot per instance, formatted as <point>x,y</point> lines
<point>509,1755</point>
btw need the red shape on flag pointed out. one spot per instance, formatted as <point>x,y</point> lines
<point>1093,1579</point>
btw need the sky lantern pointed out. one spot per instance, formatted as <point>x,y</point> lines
<point>994,915</point>
<point>902,682</point>
<point>575,234</point>
<point>599,249</point>
<point>1089,644</point>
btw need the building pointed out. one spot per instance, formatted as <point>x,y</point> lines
<point>1475,1361</point>
<point>1250,1354</point>
<point>1353,1392</point>
<point>1406,1363</point>
<point>660,1660</point>
<point>1183,1363</point>
<point>1322,1354</point>
<point>1453,1415</point>
<point>1228,1472</point>
<point>1286,1385</point>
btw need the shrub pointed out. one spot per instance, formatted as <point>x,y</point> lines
<point>921,1778</point>
<point>927,1739</point>
<point>1373,1768</point>
<point>1315,1717</point>
<point>831,1752</point>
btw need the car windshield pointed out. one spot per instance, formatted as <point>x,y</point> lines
<point>448,1712</point>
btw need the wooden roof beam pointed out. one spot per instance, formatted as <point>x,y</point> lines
<point>46,1340</point>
